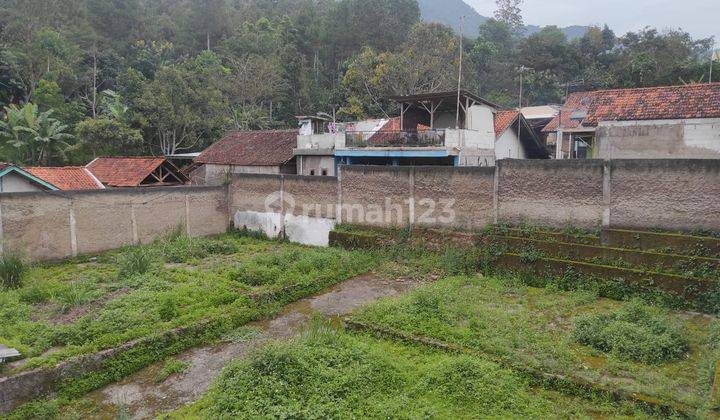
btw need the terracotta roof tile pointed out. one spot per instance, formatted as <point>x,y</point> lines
<point>67,177</point>
<point>252,148</point>
<point>655,103</point>
<point>503,121</point>
<point>128,171</point>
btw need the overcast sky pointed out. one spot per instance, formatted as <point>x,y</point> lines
<point>699,17</point>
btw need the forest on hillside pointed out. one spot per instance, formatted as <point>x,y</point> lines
<point>84,78</point>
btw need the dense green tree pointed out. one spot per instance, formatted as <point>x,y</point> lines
<point>107,137</point>
<point>181,72</point>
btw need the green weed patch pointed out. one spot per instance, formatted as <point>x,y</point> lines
<point>534,328</point>
<point>634,332</point>
<point>330,374</point>
<point>82,306</point>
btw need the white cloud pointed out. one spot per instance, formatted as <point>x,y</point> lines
<point>698,17</point>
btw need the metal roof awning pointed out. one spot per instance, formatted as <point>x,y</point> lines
<point>438,96</point>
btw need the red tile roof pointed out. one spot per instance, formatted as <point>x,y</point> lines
<point>67,178</point>
<point>128,171</point>
<point>503,121</point>
<point>252,148</point>
<point>655,103</point>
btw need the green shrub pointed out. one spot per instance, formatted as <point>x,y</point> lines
<point>12,270</point>
<point>635,332</point>
<point>171,367</point>
<point>168,308</point>
<point>135,261</point>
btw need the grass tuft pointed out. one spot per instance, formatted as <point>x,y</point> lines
<point>171,367</point>
<point>134,261</point>
<point>12,270</point>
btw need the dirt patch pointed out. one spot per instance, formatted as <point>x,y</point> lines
<point>141,397</point>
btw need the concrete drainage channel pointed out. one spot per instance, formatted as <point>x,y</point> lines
<point>141,397</point>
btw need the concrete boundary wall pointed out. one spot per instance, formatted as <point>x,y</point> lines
<point>636,194</point>
<point>302,208</point>
<point>682,194</point>
<point>551,193</point>
<point>62,224</point>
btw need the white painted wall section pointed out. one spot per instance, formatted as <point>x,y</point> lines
<point>308,230</point>
<point>268,223</point>
<point>508,146</point>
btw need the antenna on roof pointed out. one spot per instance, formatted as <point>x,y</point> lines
<point>457,105</point>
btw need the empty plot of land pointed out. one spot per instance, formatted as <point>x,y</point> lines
<point>332,374</point>
<point>627,346</point>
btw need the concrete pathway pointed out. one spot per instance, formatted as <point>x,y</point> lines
<point>139,396</point>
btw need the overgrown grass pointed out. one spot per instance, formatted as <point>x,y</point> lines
<point>533,327</point>
<point>634,332</point>
<point>12,269</point>
<point>84,305</point>
<point>329,374</point>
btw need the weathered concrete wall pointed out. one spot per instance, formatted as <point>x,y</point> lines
<point>667,194</point>
<point>459,197</point>
<point>666,139</point>
<point>314,196</point>
<point>248,192</point>
<point>551,192</point>
<point>54,225</point>
<point>301,207</point>
<point>376,195</point>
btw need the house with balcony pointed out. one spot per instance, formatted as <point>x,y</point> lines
<point>444,128</point>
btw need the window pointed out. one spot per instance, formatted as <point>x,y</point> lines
<point>312,172</point>
<point>324,172</point>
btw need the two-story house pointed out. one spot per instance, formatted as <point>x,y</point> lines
<point>444,128</point>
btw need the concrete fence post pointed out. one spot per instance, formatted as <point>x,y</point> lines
<point>133,225</point>
<point>607,197</point>
<point>228,203</point>
<point>496,188</point>
<point>73,231</point>
<point>338,207</point>
<point>411,199</point>
<point>187,214</point>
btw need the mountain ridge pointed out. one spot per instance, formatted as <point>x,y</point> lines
<point>448,12</point>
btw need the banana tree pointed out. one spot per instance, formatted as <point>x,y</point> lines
<point>33,137</point>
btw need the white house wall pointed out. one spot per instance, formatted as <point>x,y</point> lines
<point>508,146</point>
<point>659,139</point>
<point>12,182</point>
<point>218,174</point>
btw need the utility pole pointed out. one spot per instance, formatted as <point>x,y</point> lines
<point>713,54</point>
<point>522,69</point>
<point>457,105</point>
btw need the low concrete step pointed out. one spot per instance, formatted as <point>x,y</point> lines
<point>689,291</point>
<point>691,265</point>
<point>677,243</point>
